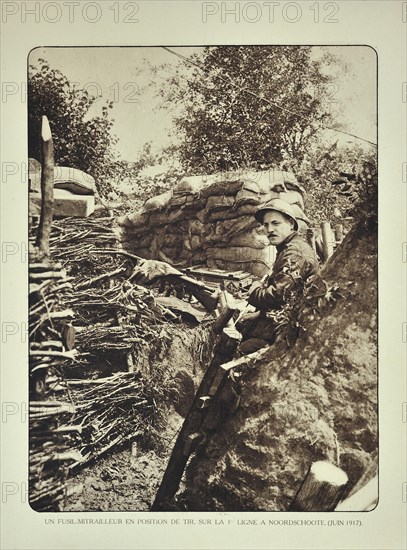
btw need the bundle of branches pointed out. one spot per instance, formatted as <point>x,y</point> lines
<point>121,300</point>
<point>51,339</point>
<point>51,343</point>
<point>50,453</point>
<point>112,410</point>
<point>84,246</point>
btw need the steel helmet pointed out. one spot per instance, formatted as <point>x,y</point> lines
<point>278,205</point>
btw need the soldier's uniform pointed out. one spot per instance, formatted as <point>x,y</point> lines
<point>295,264</point>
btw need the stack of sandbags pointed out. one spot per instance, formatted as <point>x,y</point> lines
<point>74,191</point>
<point>209,220</point>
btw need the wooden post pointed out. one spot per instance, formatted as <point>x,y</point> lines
<point>338,233</point>
<point>327,239</point>
<point>321,489</point>
<point>310,236</point>
<point>47,190</point>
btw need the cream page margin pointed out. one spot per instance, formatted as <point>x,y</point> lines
<point>380,24</point>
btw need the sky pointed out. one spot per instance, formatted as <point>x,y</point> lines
<point>120,75</point>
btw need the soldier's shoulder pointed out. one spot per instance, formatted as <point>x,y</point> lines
<point>298,243</point>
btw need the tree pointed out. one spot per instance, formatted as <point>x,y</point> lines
<point>249,107</point>
<point>80,141</point>
<point>341,181</point>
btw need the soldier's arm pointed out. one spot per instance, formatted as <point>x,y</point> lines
<point>280,283</point>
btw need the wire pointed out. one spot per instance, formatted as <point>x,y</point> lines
<point>268,101</point>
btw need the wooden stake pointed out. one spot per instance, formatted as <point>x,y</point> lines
<point>338,233</point>
<point>321,489</point>
<point>47,190</point>
<point>327,239</point>
<point>310,235</point>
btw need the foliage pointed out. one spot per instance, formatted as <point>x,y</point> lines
<point>137,184</point>
<point>248,107</point>
<point>80,140</point>
<point>330,196</point>
<point>266,107</point>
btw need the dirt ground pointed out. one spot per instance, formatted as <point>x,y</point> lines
<point>122,481</point>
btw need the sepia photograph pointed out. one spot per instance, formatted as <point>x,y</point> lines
<point>202,303</point>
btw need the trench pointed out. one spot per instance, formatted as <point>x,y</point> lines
<point>127,479</point>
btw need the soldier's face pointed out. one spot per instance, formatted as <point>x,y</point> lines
<point>278,227</point>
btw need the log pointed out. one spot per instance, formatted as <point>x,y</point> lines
<point>45,266</point>
<point>47,190</point>
<point>130,362</point>
<point>90,282</point>
<point>321,489</point>
<point>47,275</point>
<point>61,355</point>
<point>68,336</point>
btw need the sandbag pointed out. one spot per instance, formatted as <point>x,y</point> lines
<point>177,254</point>
<point>221,183</point>
<point>196,227</point>
<point>172,240</point>
<point>221,202</point>
<point>248,194</point>
<point>229,214</point>
<point>221,188</point>
<point>252,239</point>
<point>158,202</point>
<point>299,213</point>
<point>144,241</point>
<point>290,196</point>
<point>239,254</point>
<point>176,202</point>
<point>273,180</point>
<point>196,242</point>
<point>139,219</point>
<point>146,253</point>
<point>229,228</point>
<point>192,185</point>
<point>165,217</point>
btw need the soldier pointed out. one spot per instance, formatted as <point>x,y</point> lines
<point>295,264</point>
